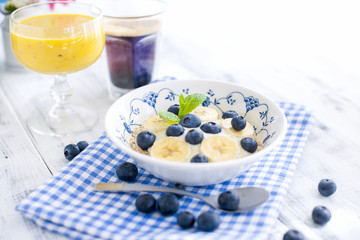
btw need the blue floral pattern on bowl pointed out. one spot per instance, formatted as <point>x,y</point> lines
<point>236,100</point>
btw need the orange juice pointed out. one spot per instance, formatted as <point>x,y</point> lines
<point>57,43</point>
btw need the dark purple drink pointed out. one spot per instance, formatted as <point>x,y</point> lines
<point>132,30</point>
<point>131,59</point>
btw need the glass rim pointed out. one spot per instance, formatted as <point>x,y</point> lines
<point>98,15</point>
<point>162,10</point>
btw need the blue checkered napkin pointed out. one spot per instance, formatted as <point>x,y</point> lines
<point>67,204</point>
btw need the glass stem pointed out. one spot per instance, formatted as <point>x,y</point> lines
<point>60,92</point>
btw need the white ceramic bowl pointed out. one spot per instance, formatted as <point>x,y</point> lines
<point>129,111</point>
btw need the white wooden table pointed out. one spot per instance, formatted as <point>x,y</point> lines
<point>304,52</point>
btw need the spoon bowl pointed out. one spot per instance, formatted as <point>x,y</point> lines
<point>250,197</point>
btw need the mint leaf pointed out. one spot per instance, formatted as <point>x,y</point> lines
<point>197,99</point>
<point>181,100</point>
<point>188,98</point>
<point>169,116</point>
<point>186,106</point>
<point>190,103</point>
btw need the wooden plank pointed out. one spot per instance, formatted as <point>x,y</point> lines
<point>327,155</point>
<point>25,90</point>
<point>331,149</point>
<point>22,169</point>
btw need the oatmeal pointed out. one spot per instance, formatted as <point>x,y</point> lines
<point>203,131</point>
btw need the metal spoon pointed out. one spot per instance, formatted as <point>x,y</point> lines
<point>250,197</point>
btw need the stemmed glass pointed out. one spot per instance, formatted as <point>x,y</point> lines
<point>56,38</point>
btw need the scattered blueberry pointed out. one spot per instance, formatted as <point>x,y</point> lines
<point>211,127</point>
<point>145,139</point>
<point>293,235</point>
<point>326,187</point>
<point>228,200</point>
<point>199,158</point>
<point>208,221</point>
<point>175,130</point>
<point>82,145</point>
<point>174,109</point>
<point>180,187</point>
<point>185,219</point>
<point>190,121</point>
<point>145,203</point>
<point>321,215</point>
<point>230,114</point>
<point>249,144</point>
<point>127,172</point>
<point>168,204</point>
<point>238,123</point>
<point>71,151</point>
<point>194,136</point>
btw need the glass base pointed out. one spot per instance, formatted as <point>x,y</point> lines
<point>115,92</point>
<point>74,120</point>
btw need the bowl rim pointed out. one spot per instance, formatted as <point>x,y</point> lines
<point>247,159</point>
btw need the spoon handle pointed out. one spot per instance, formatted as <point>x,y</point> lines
<point>136,187</point>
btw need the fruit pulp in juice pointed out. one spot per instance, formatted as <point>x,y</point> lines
<point>53,46</point>
<point>131,51</point>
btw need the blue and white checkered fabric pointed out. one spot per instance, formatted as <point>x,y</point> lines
<point>67,204</point>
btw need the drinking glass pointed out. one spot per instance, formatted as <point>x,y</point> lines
<point>132,41</point>
<point>58,38</point>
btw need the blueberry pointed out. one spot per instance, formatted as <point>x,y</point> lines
<point>71,151</point>
<point>208,221</point>
<point>82,145</point>
<point>228,200</point>
<point>185,219</point>
<point>326,187</point>
<point>321,215</point>
<point>145,139</point>
<point>230,114</point>
<point>180,187</point>
<point>238,123</point>
<point>190,121</point>
<point>199,158</point>
<point>174,109</point>
<point>127,172</point>
<point>175,130</point>
<point>194,136</point>
<point>249,144</point>
<point>168,204</point>
<point>211,127</point>
<point>293,235</point>
<point>145,203</point>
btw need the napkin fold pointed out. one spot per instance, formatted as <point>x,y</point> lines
<point>67,204</point>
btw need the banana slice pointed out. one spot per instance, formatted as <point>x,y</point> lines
<point>171,148</point>
<point>248,131</point>
<point>206,114</point>
<point>219,148</point>
<point>226,123</point>
<point>155,124</point>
